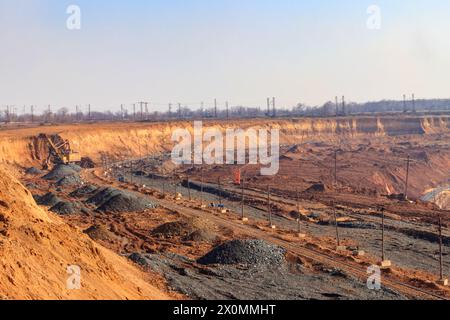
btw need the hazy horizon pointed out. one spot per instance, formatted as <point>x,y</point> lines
<point>241,52</point>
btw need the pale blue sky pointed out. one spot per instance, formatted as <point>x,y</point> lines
<point>238,50</point>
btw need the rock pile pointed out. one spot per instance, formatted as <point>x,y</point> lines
<point>247,252</point>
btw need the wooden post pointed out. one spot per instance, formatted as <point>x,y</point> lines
<point>242,200</point>
<point>201,188</point>
<point>189,189</point>
<point>441,267</point>
<point>269,208</point>
<point>408,163</point>
<point>338,241</point>
<point>383,257</point>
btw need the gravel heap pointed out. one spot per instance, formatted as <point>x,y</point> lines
<point>103,195</point>
<point>68,208</point>
<point>71,180</point>
<point>75,167</point>
<point>84,191</point>
<point>247,252</point>
<point>49,199</point>
<point>125,202</point>
<point>33,171</point>
<point>139,259</point>
<point>61,171</point>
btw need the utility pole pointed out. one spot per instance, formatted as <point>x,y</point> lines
<point>442,280</point>
<point>268,107</point>
<point>49,113</point>
<point>32,114</point>
<point>220,191</point>
<point>405,110</point>
<point>170,110</point>
<point>413,103</point>
<point>274,108</point>
<point>242,200</point>
<point>441,270</point>
<point>134,111</point>
<point>408,163</point>
<point>89,112</point>
<point>335,167</point>
<point>202,107</point>
<point>384,262</point>
<point>189,188</point>
<point>215,108</point>
<point>201,186</point>
<point>228,111</point>
<point>179,111</point>
<point>344,111</point>
<point>337,106</point>
<point>146,111</point>
<point>269,207</point>
<point>338,241</point>
<point>383,257</point>
<point>299,230</point>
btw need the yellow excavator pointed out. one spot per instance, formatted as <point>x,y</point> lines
<point>61,151</point>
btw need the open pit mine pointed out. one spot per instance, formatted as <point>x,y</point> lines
<point>359,209</point>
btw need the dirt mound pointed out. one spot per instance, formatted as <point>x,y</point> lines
<point>48,199</point>
<point>174,229</point>
<point>72,180</point>
<point>125,202</point>
<point>103,195</point>
<point>201,236</point>
<point>33,171</point>
<point>60,171</point>
<point>248,252</point>
<point>185,228</point>
<point>37,248</point>
<point>317,187</point>
<point>68,208</point>
<point>84,191</point>
<point>100,232</point>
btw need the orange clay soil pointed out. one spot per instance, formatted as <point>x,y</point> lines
<point>36,247</point>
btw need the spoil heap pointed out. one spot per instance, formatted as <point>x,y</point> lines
<point>48,199</point>
<point>247,252</point>
<point>116,201</point>
<point>61,171</point>
<point>83,191</point>
<point>68,208</point>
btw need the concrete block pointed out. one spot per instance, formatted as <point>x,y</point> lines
<point>301,235</point>
<point>386,264</point>
<point>443,282</point>
<point>341,248</point>
<point>273,227</point>
<point>359,253</point>
<point>244,219</point>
